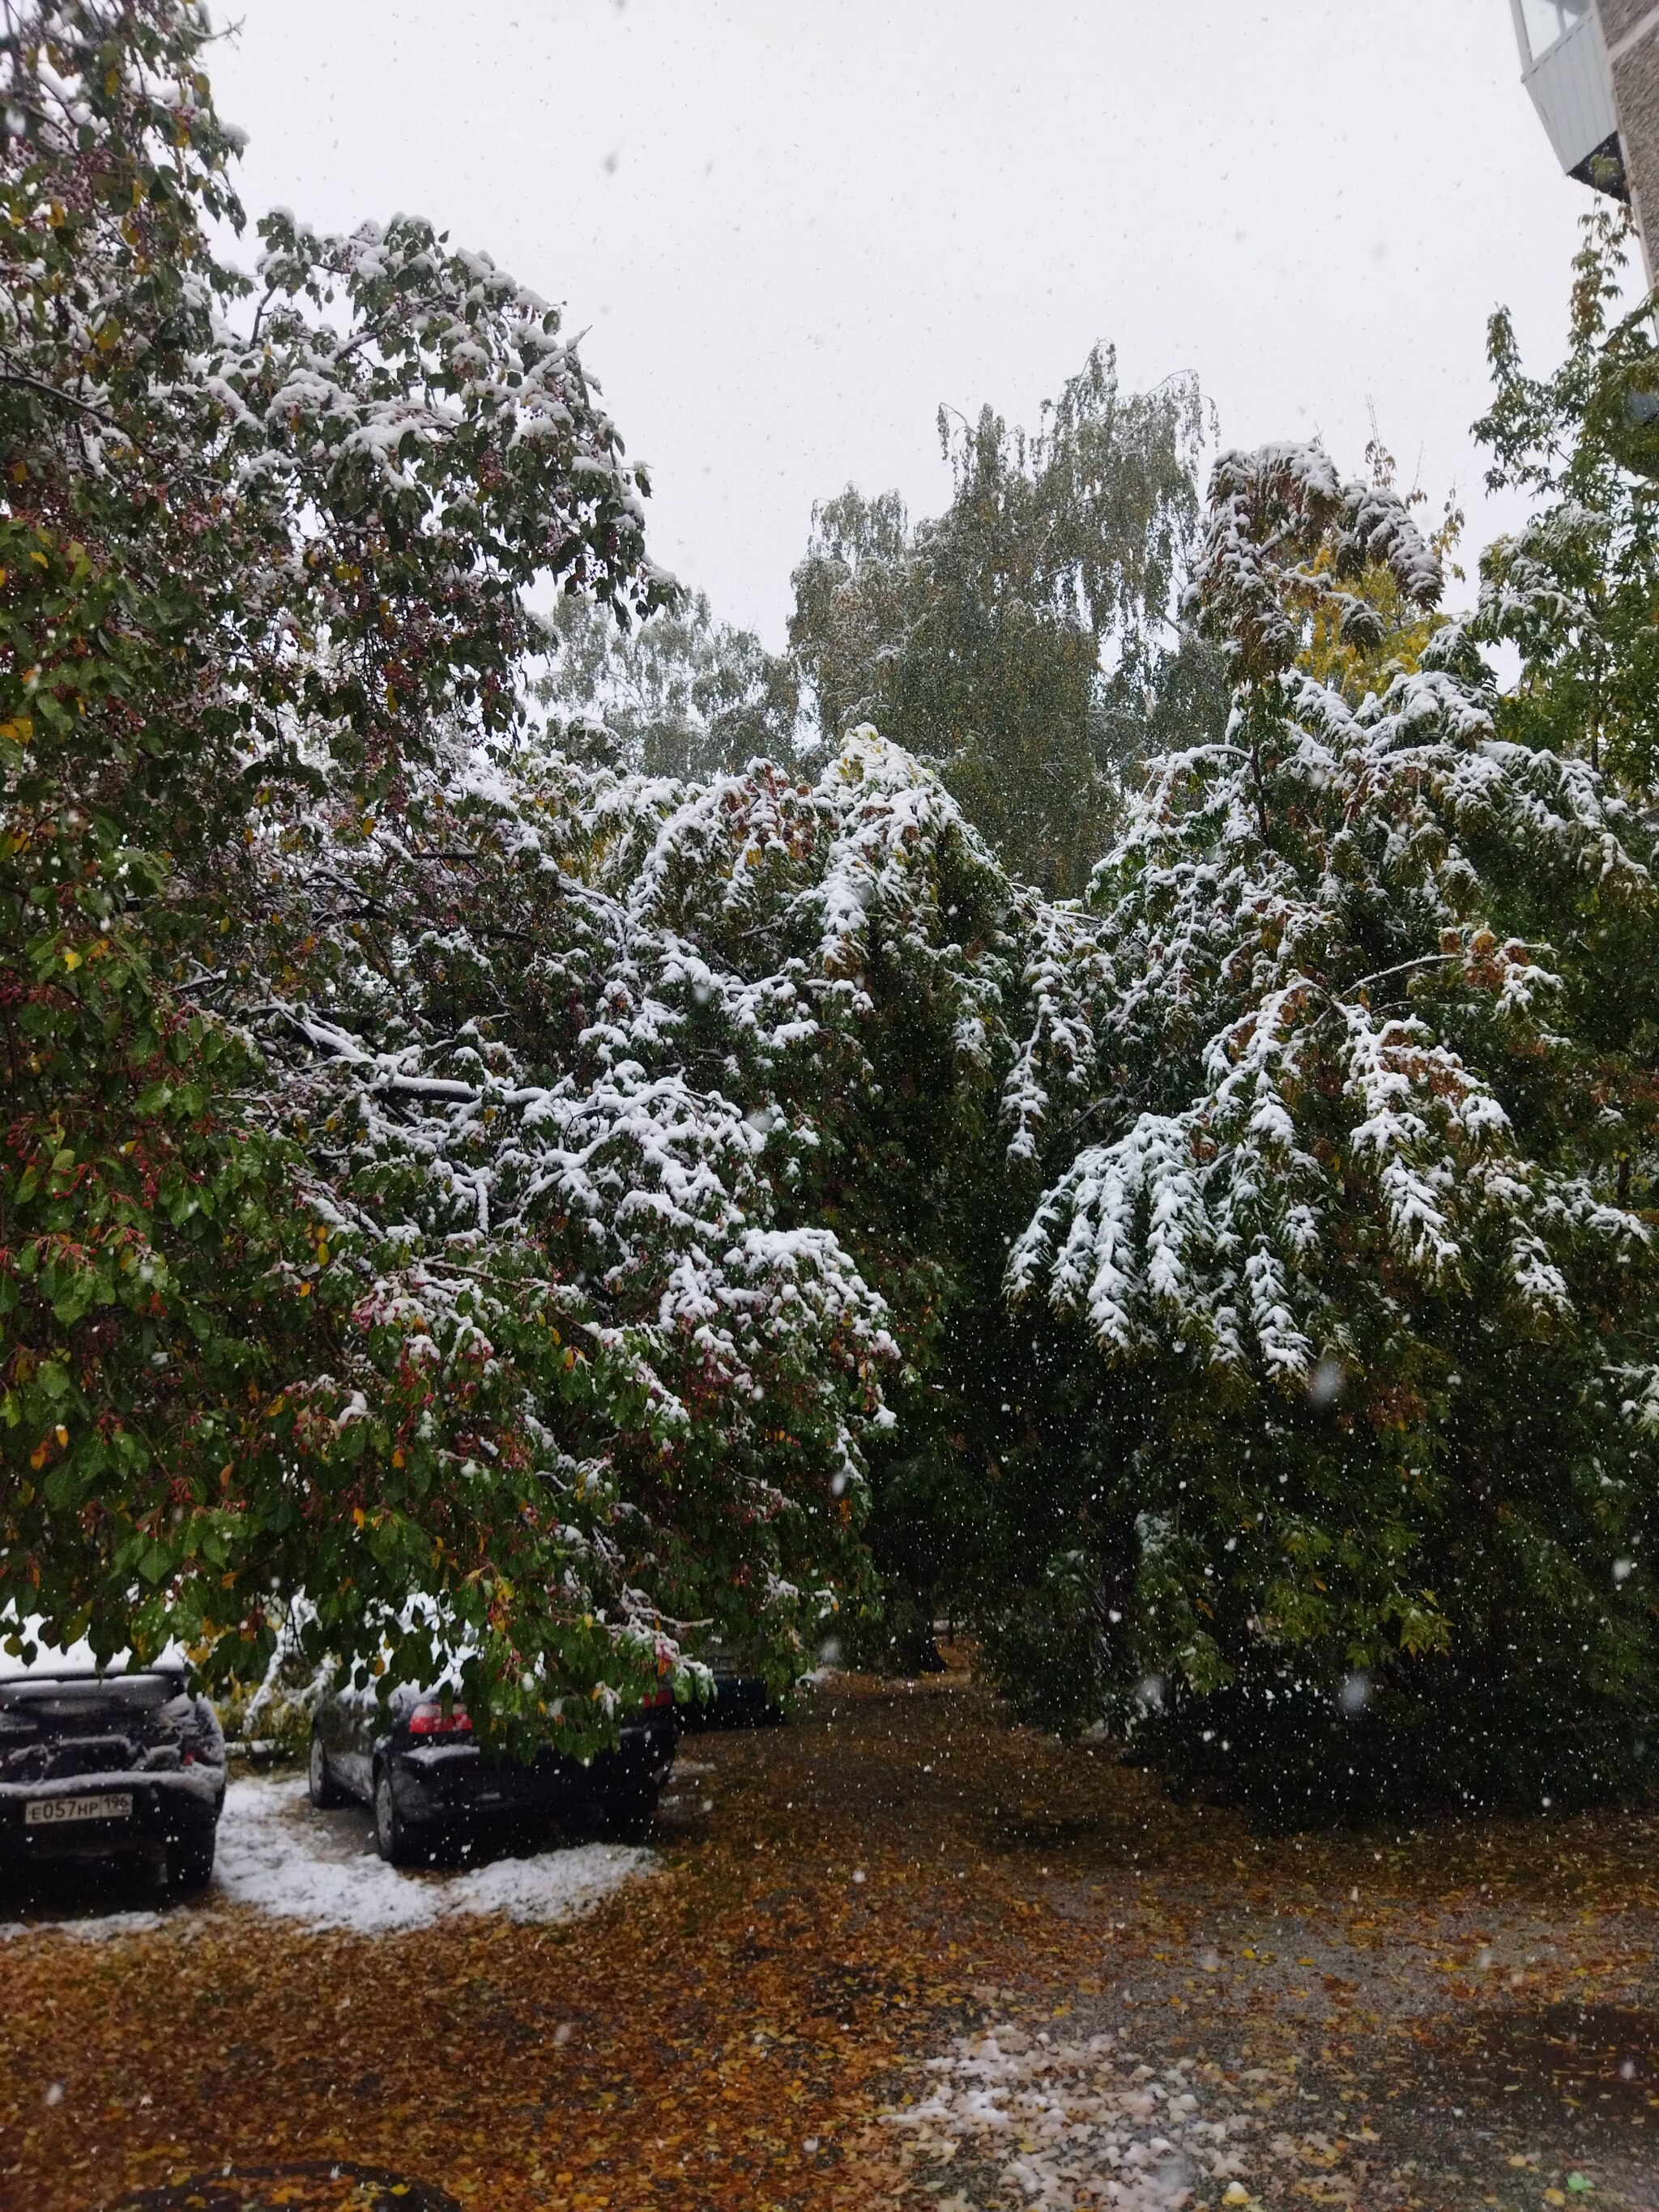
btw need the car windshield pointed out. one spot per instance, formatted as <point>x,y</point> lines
<point>828,1105</point>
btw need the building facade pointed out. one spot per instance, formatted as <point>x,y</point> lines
<point>1630,39</point>
<point>1592,69</point>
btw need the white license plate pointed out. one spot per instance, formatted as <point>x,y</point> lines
<point>58,1812</point>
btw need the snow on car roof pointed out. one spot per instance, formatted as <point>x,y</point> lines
<point>51,1660</point>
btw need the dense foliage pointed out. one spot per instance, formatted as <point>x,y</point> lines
<point>524,1192</point>
<point>683,695</point>
<point>1026,643</point>
<point>1362,1233</point>
<point>1024,640</point>
<point>1575,590</point>
<point>355,1249</point>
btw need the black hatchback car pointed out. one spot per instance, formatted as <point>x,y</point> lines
<point>98,1764</point>
<point>427,1784</point>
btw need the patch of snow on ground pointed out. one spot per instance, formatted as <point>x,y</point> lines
<point>1075,2122</point>
<point>278,1854</point>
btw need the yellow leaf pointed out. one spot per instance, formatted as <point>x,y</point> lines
<point>71,957</point>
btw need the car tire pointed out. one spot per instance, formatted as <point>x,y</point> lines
<point>189,1863</point>
<point>391,1837</point>
<point>324,1791</point>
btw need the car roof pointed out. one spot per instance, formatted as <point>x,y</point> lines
<point>54,1662</point>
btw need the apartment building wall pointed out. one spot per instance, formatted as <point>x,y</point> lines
<point>1630,37</point>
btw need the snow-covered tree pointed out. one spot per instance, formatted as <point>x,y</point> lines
<point>403,1124</point>
<point>444,1159</point>
<point>1352,1122</point>
<point>635,1038</point>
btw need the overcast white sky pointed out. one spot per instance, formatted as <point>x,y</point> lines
<point>792,228</point>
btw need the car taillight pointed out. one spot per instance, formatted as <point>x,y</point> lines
<point>660,1697</point>
<point>432,1720</point>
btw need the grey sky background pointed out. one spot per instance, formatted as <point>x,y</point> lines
<point>792,227</point>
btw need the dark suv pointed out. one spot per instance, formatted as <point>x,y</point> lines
<point>416,1767</point>
<point>96,1764</point>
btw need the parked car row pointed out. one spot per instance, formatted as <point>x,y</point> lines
<point>121,1760</point>
<point>100,1761</point>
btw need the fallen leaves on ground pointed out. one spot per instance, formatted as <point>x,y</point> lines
<point>842,1901</point>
